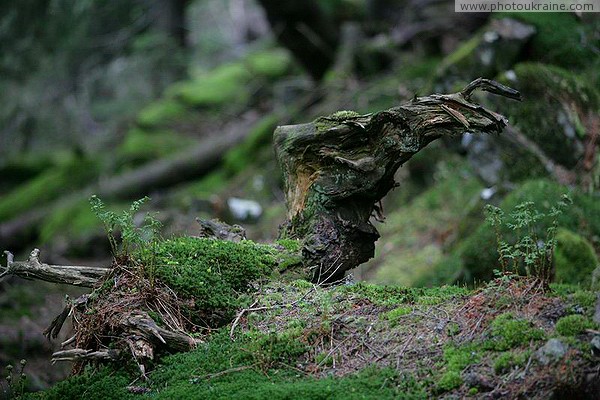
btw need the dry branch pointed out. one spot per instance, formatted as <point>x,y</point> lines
<point>338,168</point>
<point>67,274</point>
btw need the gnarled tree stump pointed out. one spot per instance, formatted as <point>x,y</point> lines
<point>338,168</point>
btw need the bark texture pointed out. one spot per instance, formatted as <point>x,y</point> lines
<point>338,168</point>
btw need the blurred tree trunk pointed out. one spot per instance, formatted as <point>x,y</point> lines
<point>169,16</point>
<point>309,33</point>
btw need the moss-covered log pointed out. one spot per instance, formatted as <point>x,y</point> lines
<point>338,168</point>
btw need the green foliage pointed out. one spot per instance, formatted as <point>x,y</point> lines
<point>47,186</point>
<point>478,252</point>
<point>530,251</point>
<point>573,325</point>
<point>575,258</point>
<point>133,238</point>
<point>508,332</point>
<point>161,112</point>
<point>509,359</point>
<point>212,272</point>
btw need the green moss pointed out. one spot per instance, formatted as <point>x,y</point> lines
<point>509,332</point>
<point>572,325</point>
<point>238,158</point>
<point>161,112</point>
<point>105,383</point>
<point>558,39</point>
<point>509,359</point>
<point>395,315</point>
<point>47,186</point>
<point>140,146</point>
<point>212,272</point>
<point>394,295</point>
<point>448,381</point>
<point>291,245</point>
<point>574,258</point>
<point>198,375</point>
<point>271,64</point>
<point>221,86</point>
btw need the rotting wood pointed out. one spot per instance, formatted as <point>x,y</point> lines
<point>337,168</point>
<point>67,274</point>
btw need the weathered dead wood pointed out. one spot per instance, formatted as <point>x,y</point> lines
<point>338,168</point>
<point>67,274</point>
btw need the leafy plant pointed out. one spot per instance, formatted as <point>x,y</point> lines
<point>132,238</point>
<point>532,250</point>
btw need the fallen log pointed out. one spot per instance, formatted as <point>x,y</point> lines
<point>185,165</point>
<point>338,168</point>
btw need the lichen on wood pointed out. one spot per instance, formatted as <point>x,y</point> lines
<point>338,168</point>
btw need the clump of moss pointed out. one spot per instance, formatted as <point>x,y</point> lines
<point>572,325</point>
<point>212,272</point>
<point>574,258</point>
<point>291,245</point>
<point>140,146</point>
<point>509,359</point>
<point>161,112</point>
<point>223,85</point>
<point>395,315</point>
<point>509,332</point>
<point>269,63</point>
<point>456,358</point>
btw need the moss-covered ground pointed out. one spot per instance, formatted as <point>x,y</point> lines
<point>364,341</point>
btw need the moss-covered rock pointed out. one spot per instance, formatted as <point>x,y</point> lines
<point>495,48</point>
<point>561,39</point>
<point>574,259</point>
<point>554,110</point>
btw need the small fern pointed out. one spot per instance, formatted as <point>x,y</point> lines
<point>531,250</point>
<point>132,238</point>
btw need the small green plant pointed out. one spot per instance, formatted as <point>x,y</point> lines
<point>531,250</point>
<point>15,382</point>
